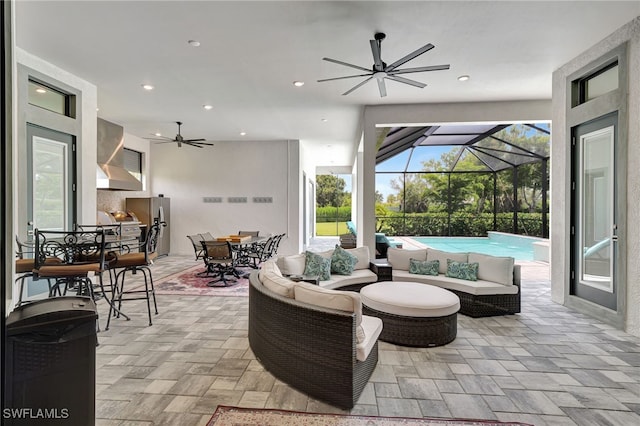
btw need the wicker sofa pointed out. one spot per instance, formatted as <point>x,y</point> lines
<point>496,292</point>
<point>302,339</point>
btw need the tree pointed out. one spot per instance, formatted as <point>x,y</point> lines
<point>330,190</point>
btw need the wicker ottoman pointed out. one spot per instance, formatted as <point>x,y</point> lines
<point>413,314</point>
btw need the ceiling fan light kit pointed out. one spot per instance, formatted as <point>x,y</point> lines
<point>381,71</point>
<point>179,139</point>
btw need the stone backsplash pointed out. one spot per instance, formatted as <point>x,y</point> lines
<point>115,200</point>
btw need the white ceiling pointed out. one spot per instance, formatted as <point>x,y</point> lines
<point>251,52</point>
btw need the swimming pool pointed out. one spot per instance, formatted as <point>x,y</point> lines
<point>498,244</point>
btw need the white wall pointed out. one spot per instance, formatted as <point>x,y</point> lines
<point>230,169</point>
<point>421,114</point>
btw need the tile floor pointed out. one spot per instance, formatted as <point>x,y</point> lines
<point>546,366</point>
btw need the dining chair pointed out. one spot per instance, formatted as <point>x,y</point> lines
<point>206,236</point>
<point>221,261</point>
<point>136,262</point>
<point>196,242</point>
<point>276,245</point>
<point>262,251</point>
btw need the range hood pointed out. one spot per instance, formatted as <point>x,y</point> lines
<point>111,173</point>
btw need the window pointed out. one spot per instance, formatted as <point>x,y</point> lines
<point>601,82</point>
<point>133,163</point>
<point>49,98</point>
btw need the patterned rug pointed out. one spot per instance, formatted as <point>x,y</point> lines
<point>188,283</point>
<point>236,416</point>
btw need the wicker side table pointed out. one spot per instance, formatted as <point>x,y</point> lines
<point>382,269</point>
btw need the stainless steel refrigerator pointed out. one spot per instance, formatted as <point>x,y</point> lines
<point>152,209</point>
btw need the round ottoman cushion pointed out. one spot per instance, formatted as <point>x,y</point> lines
<point>410,299</point>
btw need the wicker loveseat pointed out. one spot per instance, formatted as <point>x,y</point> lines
<point>496,291</point>
<point>324,352</point>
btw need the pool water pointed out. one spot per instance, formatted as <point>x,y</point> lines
<point>496,244</point>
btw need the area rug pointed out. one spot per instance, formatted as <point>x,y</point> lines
<point>236,416</point>
<point>189,283</point>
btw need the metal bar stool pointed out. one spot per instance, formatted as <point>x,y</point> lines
<point>133,263</point>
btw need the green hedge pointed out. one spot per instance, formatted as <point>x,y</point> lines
<point>332,214</point>
<point>462,224</point>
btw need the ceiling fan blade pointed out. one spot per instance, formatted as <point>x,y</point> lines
<point>163,141</point>
<point>377,60</point>
<point>193,140</point>
<point>191,144</point>
<point>342,78</point>
<point>420,69</point>
<point>406,81</point>
<point>409,57</point>
<point>346,64</point>
<point>357,86</point>
<point>159,138</point>
<point>382,87</point>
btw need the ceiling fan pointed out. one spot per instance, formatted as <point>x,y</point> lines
<point>381,71</point>
<point>198,143</point>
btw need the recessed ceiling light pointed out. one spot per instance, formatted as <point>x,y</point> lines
<point>324,120</point>
<point>298,83</point>
<point>194,43</point>
<point>207,106</point>
<point>147,87</point>
<point>158,134</point>
<point>97,109</point>
<point>463,78</point>
<point>243,133</point>
<point>41,90</point>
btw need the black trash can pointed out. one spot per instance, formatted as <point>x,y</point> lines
<point>51,363</point>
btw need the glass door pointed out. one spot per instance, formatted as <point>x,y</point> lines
<point>594,240</point>
<point>50,188</point>
<point>50,179</point>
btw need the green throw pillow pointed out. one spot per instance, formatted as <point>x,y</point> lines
<point>342,262</point>
<point>462,270</point>
<point>314,264</point>
<point>424,267</point>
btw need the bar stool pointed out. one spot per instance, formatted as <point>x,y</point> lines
<point>136,262</point>
<point>68,257</point>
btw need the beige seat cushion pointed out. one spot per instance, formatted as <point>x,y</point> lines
<point>399,258</point>
<point>360,276</point>
<point>372,327</point>
<point>292,265</point>
<point>410,299</point>
<point>442,256</point>
<point>271,278</point>
<point>478,288</point>
<point>334,299</point>
<point>494,268</point>
<point>363,256</point>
